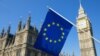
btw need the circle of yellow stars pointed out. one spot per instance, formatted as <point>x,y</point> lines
<point>50,40</point>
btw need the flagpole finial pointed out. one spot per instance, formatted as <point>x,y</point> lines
<point>49,7</point>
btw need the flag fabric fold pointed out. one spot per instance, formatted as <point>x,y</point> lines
<point>53,34</point>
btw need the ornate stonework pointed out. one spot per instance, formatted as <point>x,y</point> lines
<point>85,34</point>
<point>20,44</point>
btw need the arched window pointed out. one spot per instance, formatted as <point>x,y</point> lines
<point>18,52</point>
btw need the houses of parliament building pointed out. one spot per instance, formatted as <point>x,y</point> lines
<point>21,44</point>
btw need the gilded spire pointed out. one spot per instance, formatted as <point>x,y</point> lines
<point>81,12</point>
<point>81,8</point>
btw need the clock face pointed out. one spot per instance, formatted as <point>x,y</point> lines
<point>82,24</point>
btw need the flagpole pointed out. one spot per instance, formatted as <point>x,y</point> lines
<point>89,20</point>
<point>71,22</point>
<point>61,16</point>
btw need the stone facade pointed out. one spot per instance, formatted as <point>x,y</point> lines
<point>20,44</point>
<point>85,34</point>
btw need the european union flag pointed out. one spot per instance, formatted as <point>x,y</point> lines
<point>53,33</point>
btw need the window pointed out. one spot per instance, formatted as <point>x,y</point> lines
<point>0,45</point>
<point>18,52</point>
<point>28,52</point>
<point>30,40</point>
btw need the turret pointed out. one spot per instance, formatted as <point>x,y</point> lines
<point>19,26</point>
<point>2,33</point>
<point>28,22</point>
<point>85,34</point>
<point>8,30</point>
<point>81,12</point>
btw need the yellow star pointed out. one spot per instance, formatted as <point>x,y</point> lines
<point>62,37</point>
<point>49,25</point>
<point>61,29</point>
<point>44,34</point>
<point>50,40</point>
<point>53,23</point>
<point>58,25</point>
<point>55,41</point>
<point>63,33</point>
<point>59,40</point>
<point>46,38</point>
<point>45,29</point>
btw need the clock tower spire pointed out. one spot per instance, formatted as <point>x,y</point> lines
<point>81,12</point>
<point>85,34</point>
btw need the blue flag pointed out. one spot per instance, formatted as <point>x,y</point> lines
<point>53,33</point>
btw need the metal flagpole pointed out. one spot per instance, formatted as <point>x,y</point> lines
<point>72,23</point>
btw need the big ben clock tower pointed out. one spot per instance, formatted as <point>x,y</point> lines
<point>85,34</point>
